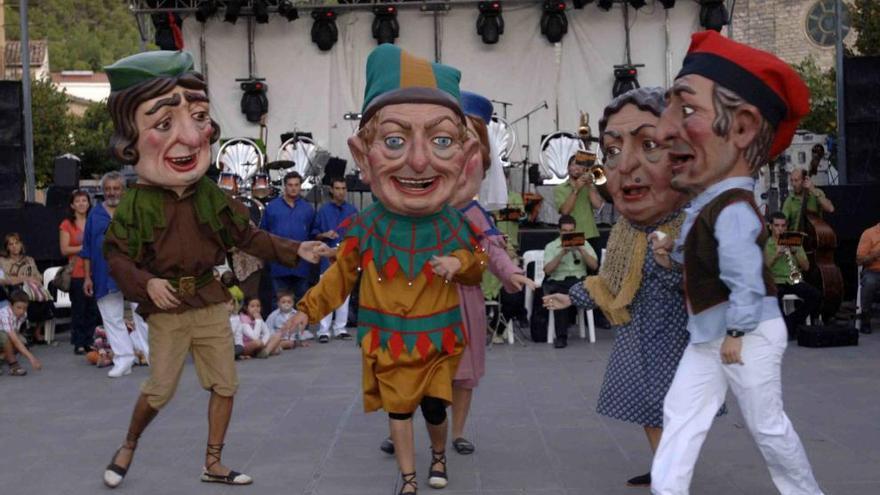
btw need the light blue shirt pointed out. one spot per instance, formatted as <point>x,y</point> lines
<point>740,261</point>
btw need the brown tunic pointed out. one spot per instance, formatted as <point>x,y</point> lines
<point>187,247</point>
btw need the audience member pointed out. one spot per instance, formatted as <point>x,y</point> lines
<point>868,257</point>
<point>237,328</point>
<point>11,319</point>
<point>782,261</point>
<point>327,228</point>
<point>290,216</point>
<point>802,186</point>
<point>21,272</point>
<point>577,196</point>
<point>256,330</point>
<point>563,268</point>
<point>83,309</point>
<point>279,317</point>
<point>97,282</point>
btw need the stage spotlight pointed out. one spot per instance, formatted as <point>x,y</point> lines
<point>168,34</point>
<point>554,24</point>
<point>206,10</point>
<point>385,26</point>
<point>286,8</point>
<point>579,4</point>
<point>667,4</point>
<point>713,14</point>
<point>625,79</point>
<point>261,13</point>
<point>254,103</point>
<point>637,4</point>
<point>324,31</point>
<point>233,9</point>
<point>490,24</point>
<point>605,4</point>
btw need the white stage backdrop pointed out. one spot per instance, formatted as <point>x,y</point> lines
<point>310,90</point>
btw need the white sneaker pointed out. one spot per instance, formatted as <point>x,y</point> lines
<point>306,335</point>
<point>121,367</point>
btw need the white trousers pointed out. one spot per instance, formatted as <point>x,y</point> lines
<point>123,343</point>
<point>698,390</point>
<point>339,318</point>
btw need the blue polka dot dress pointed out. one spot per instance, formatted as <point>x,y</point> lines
<point>646,350</point>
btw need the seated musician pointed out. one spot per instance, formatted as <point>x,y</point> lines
<point>788,264</point>
<point>802,186</point>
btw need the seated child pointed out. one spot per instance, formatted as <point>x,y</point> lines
<point>279,317</point>
<point>12,343</point>
<point>258,339</point>
<point>236,326</point>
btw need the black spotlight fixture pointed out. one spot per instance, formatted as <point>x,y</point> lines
<point>324,31</point>
<point>554,23</point>
<point>206,10</point>
<point>286,8</point>
<point>579,4</point>
<point>625,79</point>
<point>254,103</point>
<point>713,14</point>
<point>667,4</point>
<point>233,9</point>
<point>168,34</point>
<point>385,26</point>
<point>261,13</point>
<point>490,24</point>
<point>605,4</point>
<point>637,4</point>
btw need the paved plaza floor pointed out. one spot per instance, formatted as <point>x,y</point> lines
<point>299,428</point>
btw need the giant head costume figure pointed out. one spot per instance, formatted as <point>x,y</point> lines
<point>160,114</point>
<point>413,139</point>
<point>636,166</point>
<point>731,108</point>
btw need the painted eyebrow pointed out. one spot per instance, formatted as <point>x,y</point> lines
<point>400,123</point>
<point>681,87</point>
<point>639,129</point>
<point>613,134</point>
<point>171,101</point>
<point>437,121</point>
<point>195,97</point>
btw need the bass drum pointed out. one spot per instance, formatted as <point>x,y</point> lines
<point>254,206</point>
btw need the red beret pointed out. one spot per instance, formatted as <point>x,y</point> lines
<point>758,77</point>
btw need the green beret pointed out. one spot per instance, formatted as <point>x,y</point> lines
<point>396,76</point>
<point>141,67</point>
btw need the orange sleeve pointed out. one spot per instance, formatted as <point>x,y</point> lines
<point>473,263</point>
<point>333,287</point>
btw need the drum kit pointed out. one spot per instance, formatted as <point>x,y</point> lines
<point>246,176</point>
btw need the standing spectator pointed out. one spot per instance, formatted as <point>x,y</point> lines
<point>577,196</point>
<point>327,228</point>
<point>11,319</point>
<point>290,217</point>
<point>83,310</point>
<point>563,268</point>
<point>868,257</point>
<point>21,272</point>
<point>98,283</point>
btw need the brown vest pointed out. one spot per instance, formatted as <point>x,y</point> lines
<point>702,282</point>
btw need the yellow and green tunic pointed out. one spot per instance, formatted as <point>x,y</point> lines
<point>409,323</point>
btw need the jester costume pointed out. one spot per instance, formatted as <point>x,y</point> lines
<point>409,322</point>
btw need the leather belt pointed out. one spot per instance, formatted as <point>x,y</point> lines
<point>187,286</point>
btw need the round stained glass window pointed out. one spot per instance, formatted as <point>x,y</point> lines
<point>821,22</point>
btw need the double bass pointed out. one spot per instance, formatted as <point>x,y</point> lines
<point>819,244</point>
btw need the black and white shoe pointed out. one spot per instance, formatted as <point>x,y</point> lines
<point>114,473</point>
<point>387,446</point>
<point>233,478</point>
<point>436,478</point>
<point>323,339</point>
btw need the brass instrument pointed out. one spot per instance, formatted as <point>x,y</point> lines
<point>598,173</point>
<point>795,276</point>
<point>791,240</point>
<point>584,132</point>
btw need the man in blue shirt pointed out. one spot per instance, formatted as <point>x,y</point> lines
<point>730,110</point>
<point>290,216</point>
<point>102,287</point>
<point>327,228</point>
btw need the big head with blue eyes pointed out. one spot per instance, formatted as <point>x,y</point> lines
<point>699,154</point>
<point>174,132</point>
<point>411,155</point>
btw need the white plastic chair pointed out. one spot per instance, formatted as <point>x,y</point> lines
<point>536,256</point>
<point>62,301</point>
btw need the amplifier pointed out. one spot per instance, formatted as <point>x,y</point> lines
<point>827,336</point>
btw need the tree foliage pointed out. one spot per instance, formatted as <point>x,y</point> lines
<point>82,34</point>
<point>91,137</point>
<point>866,22</point>
<point>52,127</point>
<point>823,97</point>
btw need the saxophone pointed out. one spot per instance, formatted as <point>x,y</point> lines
<point>794,276</point>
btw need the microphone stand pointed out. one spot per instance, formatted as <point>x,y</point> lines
<point>526,161</point>
<point>504,105</point>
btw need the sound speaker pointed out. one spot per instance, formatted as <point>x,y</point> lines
<point>335,168</point>
<point>862,106</point>
<point>11,145</point>
<point>66,171</point>
<point>58,196</point>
